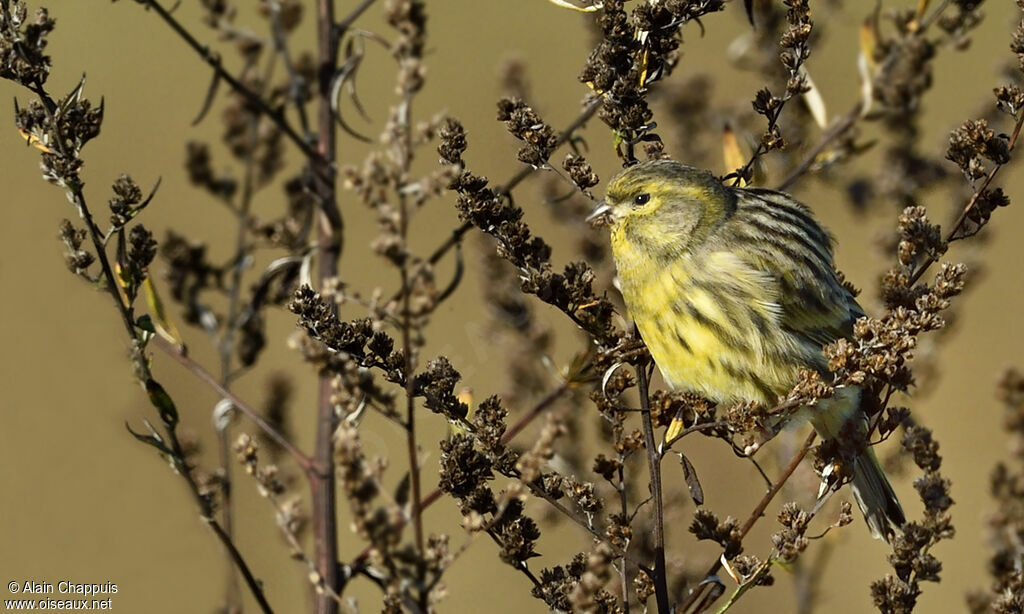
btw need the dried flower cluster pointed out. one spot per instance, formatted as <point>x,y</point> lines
<point>911,556</point>
<point>634,52</point>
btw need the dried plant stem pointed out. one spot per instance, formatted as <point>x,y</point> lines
<point>758,512</point>
<point>322,482</point>
<point>414,467</point>
<point>112,286</point>
<point>254,585</point>
<point>587,525</point>
<point>654,467</point>
<point>232,592</point>
<point>704,426</point>
<point>522,567</point>
<point>927,21</point>
<point>323,497</point>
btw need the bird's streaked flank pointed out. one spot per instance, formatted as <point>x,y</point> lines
<point>734,291</point>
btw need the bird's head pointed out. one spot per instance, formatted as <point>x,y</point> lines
<point>663,206</point>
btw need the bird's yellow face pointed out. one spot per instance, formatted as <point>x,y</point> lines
<point>663,208</point>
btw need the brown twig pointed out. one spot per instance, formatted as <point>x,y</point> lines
<point>322,483</point>
<point>696,428</point>
<point>255,587</point>
<point>352,16</point>
<point>654,467</point>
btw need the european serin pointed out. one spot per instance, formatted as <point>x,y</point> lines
<point>734,291</point>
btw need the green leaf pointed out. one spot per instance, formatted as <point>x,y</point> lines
<point>162,402</point>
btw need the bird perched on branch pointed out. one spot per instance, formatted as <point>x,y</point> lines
<point>734,291</point>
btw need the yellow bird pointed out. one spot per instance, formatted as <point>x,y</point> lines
<point>734,291</point>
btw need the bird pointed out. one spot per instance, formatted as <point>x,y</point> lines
<point>734,291</point>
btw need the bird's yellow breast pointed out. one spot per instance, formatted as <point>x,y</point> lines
<point>711,323</point>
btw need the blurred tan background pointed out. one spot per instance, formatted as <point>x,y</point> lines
<point>81,500</point>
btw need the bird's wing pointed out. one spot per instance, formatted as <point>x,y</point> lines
<point>817,310</point>
<point>780,237</point>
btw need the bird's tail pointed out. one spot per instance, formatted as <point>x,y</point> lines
<point>875,497</point>
<point>871,489</point>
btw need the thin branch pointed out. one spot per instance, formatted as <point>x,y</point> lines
<point>410,424</point>
<point>522,566</point>
<point>596,533</point>
<point>758,511</point>
<point>322,482</point>
<point>112,286</point>
<point>255,587</point>
<point>703,426</point>
<point>654,467</point>
<point>176,352</point>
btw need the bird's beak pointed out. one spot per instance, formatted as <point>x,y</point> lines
<point>600,213</point>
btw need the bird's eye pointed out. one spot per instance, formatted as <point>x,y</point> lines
<point>641,199</point>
